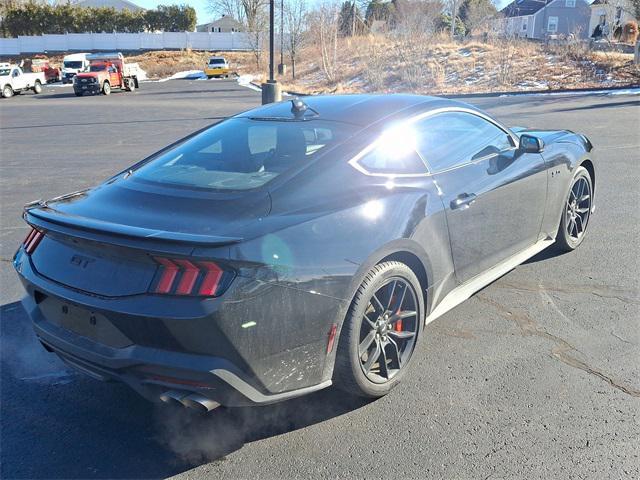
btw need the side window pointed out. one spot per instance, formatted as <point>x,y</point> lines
<point>15,73</point>
<point>393,153</point>
<point>382,161</point>
<point>452,139</point>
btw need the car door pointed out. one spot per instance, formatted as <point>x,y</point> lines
<point>17,79</point>
<point>114,77</point>
<point>493,193</point>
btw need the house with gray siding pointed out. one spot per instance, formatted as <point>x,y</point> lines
<point>541,19</point>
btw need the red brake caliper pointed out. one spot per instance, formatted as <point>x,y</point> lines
<point>398,325</point>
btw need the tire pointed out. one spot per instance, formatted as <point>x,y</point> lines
<point>209,77</point>
<point>7,91</point>
<point>37,87</point>
<point>366,344</point>
<point>130,85</point>
<point>576,212</point>
<point>78,94</point>
<point>106,88</point>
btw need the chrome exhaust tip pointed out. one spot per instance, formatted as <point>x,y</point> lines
<point>173,397</point>
<point>199,402</point>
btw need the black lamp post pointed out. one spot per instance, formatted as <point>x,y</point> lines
<point>271,89</point>
<point>282,69</point>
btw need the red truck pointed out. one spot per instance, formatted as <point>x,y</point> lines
<point>107,71</point>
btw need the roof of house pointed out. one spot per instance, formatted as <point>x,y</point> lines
<point>222,21</point>
<point>117,4</point>
<point>518,8</point>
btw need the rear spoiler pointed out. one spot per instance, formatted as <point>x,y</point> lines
<point>114,233</point>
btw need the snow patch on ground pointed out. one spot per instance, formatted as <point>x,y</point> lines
<point>245,81</point>
<point>185,75</point>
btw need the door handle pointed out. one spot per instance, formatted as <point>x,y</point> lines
<point>463,201</point>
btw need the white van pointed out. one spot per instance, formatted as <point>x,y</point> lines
<point>74,64</point>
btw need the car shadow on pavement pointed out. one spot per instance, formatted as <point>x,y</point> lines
<point>60,424</point>
<point>548,253</point>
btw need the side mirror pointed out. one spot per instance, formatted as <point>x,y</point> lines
<point>530,144</point>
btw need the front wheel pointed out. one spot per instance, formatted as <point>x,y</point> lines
<point>37,87</point>
<point>106,88</point>
<point>380,332</point>
<point>7,91</point>
<point>576,211</point>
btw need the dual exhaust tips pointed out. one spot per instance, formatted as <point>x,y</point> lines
<point>190,400</point>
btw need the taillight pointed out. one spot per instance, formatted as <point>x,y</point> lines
<point>178,276</point>
<point>33,239</point>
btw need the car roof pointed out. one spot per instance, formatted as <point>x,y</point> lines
<point>358,109</point>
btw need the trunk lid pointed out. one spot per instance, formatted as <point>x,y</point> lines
<point>104,240</point>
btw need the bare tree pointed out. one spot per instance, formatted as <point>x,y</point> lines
<point>417,18</point>
<point>476,14</point>
<point>324,30</point>
<point>245,11</point>
<point>253,16</point>
<point>454,6</point>
<point>295,13</point>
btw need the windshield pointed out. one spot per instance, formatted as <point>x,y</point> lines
<point>5,71</point>
<point>97,68</point>
<point>241,153</point>
<point>73,64</point>
<point>217,61</point>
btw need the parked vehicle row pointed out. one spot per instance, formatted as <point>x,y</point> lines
<point>96,73</point>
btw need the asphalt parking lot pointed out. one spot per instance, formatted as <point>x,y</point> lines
<point>536,376</point>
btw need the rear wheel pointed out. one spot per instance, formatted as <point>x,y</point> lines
<point>576,212</point>
<point>131,84</point>
<point>380,333</point>
<point>37,87</point>
<point>78,94</point>
<point>7,91</point>
<point>106,88</point>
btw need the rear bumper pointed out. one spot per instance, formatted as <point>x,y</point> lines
<point>211,72</point>
<point>158,349</point>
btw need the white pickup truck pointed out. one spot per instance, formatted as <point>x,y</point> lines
<point>14,80</point>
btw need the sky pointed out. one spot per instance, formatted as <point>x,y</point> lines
<point>203,13</point>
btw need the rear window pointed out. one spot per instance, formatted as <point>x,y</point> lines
<point>242,153</point>
<point>73,64</point>
<point>214,61</point>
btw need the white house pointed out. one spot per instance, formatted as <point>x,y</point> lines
<point>224,24</point>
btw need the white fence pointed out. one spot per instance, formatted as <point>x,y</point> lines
<point>83,42</point>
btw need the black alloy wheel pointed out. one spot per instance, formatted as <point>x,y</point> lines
<point>380,333</point>
<point>576,212</point>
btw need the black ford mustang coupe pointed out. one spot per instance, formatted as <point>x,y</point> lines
<point>296,245</point>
